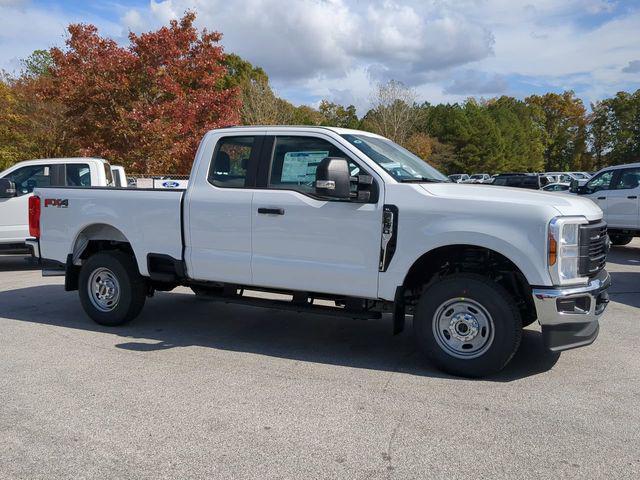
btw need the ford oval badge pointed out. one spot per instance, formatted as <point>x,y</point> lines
<point>170,184</point>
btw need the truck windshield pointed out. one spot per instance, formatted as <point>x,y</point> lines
<point>400,163</point>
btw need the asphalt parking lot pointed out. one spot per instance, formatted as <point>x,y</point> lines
<point>194,389</point>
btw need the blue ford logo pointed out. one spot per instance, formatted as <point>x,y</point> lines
<point>170,184</point>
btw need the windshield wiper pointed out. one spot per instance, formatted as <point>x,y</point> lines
<point>421,180</point>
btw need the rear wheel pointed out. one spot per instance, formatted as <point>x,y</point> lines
<point>467,325</point>
<point>112,291</point>
<point>620,239</point>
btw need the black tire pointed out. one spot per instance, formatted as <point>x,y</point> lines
<point>488,295</point>
<point>132,288</point>
<point>620,239</point>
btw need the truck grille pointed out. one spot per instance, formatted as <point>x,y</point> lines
<point>594,245</point>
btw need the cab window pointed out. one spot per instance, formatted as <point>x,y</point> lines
<point>628,179</point>
<point>78,175</point>
<point>600,182</point>
<point>230,162</point>
<point>295,160</point>
<point>30,177</point>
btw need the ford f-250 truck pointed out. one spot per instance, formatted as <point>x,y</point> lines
<point>349,218</point>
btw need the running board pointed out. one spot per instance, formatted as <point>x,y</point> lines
<point>295,305</point>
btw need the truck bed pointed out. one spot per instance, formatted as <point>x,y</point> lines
<point>150,220</point>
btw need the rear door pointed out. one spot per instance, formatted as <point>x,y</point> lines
<point>306,243</point>
<point>220,211</point>
<point>622,201</point>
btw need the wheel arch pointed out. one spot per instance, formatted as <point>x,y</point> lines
<point>468,258</point>
<point>91,239</point>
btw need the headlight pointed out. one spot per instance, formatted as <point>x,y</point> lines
<point>563,251</point>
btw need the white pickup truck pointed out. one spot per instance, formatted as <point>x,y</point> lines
<point>616,190</point>
<point>18,182</point>
<point>329,215</point>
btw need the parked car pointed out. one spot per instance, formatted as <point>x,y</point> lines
<point>519,180</point>
<point>339,215</point>
<point>479,178</point>
<point>568,177</point>
<point>616,190</point>
<point>459,177</point>
<point>557,187</point>
<point>21,179</point>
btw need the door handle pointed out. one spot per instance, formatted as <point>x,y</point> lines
<point>271,211</point>
<point>602,198</point>
<point>632,197</point>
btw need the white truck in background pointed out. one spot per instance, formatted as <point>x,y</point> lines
<point>616,190</point>
<point>18,182</point>
<point>344,216</point>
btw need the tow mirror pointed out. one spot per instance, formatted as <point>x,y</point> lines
<point>7,188</point>
<point>333,179</point>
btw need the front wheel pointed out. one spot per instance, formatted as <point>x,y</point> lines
<point>112,291</point>
<point>467,325</point>
<point>620,239</point>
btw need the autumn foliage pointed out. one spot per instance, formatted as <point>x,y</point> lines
<point>144,106</point>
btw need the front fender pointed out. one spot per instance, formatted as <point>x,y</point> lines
<point>525,247</point>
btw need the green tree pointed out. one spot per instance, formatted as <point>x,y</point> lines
<point>38,64</point>
<point>241,72</point>
<point>615,129</point>
<point>565,123</point>
<point>336,115</point>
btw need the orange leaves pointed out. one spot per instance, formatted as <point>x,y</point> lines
<point>145,105</point>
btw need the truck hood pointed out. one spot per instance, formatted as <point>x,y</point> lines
<point>564,203</point>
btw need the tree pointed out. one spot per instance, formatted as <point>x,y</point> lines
<point>336,115</point>
<point>38,64</point>
<point>394,113</point>
<point>146,105</point>
<point>13,140</point>
<point>565,124</point>
<point>241,72</point>
<point>420,144</point>
<point>615,129</point>
<point>260,106</point>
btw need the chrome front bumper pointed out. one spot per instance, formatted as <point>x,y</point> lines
<point>569,316</point>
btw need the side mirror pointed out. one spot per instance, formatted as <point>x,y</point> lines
<point>574,187</point>
<point>333,179</point>
<point>7,188</point>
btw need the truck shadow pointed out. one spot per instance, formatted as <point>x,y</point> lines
<point>625,281</point>
<point>12,263</point>
<point>175,320</point>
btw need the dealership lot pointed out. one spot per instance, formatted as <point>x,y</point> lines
<point>196,389</point>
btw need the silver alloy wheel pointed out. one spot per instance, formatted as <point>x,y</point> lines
<point>463,328</point>
<point>104,289</point>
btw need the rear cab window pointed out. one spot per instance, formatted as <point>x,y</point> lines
<point>78,175</point>
<point>230,162</point>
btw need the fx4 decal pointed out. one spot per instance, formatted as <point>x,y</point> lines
<point>56,202</point>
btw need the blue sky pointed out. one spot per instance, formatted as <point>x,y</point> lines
<point>340,49</point>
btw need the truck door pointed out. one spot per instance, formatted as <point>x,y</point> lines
<point>622,199</point>
<point>218,220</point>
<point>598,188</point>
<point>302,242</point>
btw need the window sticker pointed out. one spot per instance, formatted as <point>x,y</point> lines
<point>300,167</point>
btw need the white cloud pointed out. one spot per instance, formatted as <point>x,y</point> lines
<point>340,48</point>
